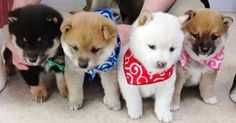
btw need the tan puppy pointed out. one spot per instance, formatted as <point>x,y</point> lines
<point>88,39</point>
<point>205,35</point>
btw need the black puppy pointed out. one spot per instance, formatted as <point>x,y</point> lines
<point>35,30</point>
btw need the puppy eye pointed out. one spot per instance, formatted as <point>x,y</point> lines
<point>95,50</point>
<point>214,37</point>
<point>153,47</point>
<point>24,39</point>
<point>75,48</point>
<point>39,39</point>
<point>196,36</point>
<point>172,49</point>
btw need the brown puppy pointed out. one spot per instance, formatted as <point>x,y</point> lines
<point>88,40</point>
<point>205,35</point>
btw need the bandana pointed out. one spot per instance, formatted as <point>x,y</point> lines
<point>112,60</point>
<point>52,63</point>
<point>136,73</point>
<point>214,62</point>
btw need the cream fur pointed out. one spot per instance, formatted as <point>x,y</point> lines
<point>163,31</point>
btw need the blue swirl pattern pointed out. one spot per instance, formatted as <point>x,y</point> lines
<point>112,60</point>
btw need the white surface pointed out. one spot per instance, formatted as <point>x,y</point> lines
<point>223,5</point>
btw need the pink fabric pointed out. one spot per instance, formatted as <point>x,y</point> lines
<point>214,62</point>
<point>136,73</point>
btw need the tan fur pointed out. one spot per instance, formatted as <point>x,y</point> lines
<point>39,92</point>
<point>81,33</point>
<point>61,85</point>
<point>100,33</point>
<point>104,30</point>
<point>144,17</point>
<point>204,22</point>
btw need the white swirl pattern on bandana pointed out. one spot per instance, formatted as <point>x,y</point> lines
<point>112,60</point>
<point>214,62</point>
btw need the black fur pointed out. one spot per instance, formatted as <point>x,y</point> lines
<point>28,25</point>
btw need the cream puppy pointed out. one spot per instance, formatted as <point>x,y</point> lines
<point>146,65</point>
<point>90,43</point>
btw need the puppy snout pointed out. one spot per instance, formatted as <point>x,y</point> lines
<point>32,57</point>
<point>83,63</point>
<point>161,64</point>
<point>205,49</point>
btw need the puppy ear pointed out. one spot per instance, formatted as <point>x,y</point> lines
<point>109,29</point>
<point>13,16</point>
<point>183,19</point>
<point>65,26</point>
<point>52,20</point>
<point>145,17</point>
<point>191,14</point>
<point>227,21</point>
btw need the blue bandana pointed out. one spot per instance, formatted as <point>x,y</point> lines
<point>112,60</point>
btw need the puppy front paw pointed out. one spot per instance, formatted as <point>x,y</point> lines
<point>164,115</point>
<point>135,114</point>
<point>112,104</point>
<point>211,100</point>
<point>75,105</point>
<point>39,93</point>
<point>174,107</point>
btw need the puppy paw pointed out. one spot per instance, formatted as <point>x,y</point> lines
<point>164,115</point>
<point>39,93</point>
<point>135,114</point>
<point>211,100</point>
<point>233,97</point>
<point>174,107</point>
<point>112,104</point>
<point>75,105</point>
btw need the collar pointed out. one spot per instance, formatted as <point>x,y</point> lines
<point>214,62</point>
<point>52,63</point>
<point>136,73</point>
<point>112,60</point>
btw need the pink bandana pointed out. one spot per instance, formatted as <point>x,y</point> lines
<point>214,63</point>
<point>136,74</point>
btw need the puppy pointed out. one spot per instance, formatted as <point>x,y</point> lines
<point>35,31</point>
<point>203,51</point>
<point>91,46</point>
<point>146,67</point>
<point>233,90</point>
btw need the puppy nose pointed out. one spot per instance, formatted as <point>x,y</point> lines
<point>32,59</point>
<point>83,63</point>
<point>205,49</point>
<point>161,64</point>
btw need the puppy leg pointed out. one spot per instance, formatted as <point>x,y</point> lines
<point>39,92</point>
<point>111,89</point>
<point>34,80</point>
<point>133,102</point>
<point>177,92</point>
<point>74,81</point>
<point>3,76</point>
<point>233,90</point>
<point>206,87</point>
<point>163,102</point>
<point>61,84</point>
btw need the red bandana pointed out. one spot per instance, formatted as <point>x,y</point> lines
<point>136,73</point>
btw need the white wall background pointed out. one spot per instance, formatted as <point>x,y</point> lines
<point>223,5</point>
